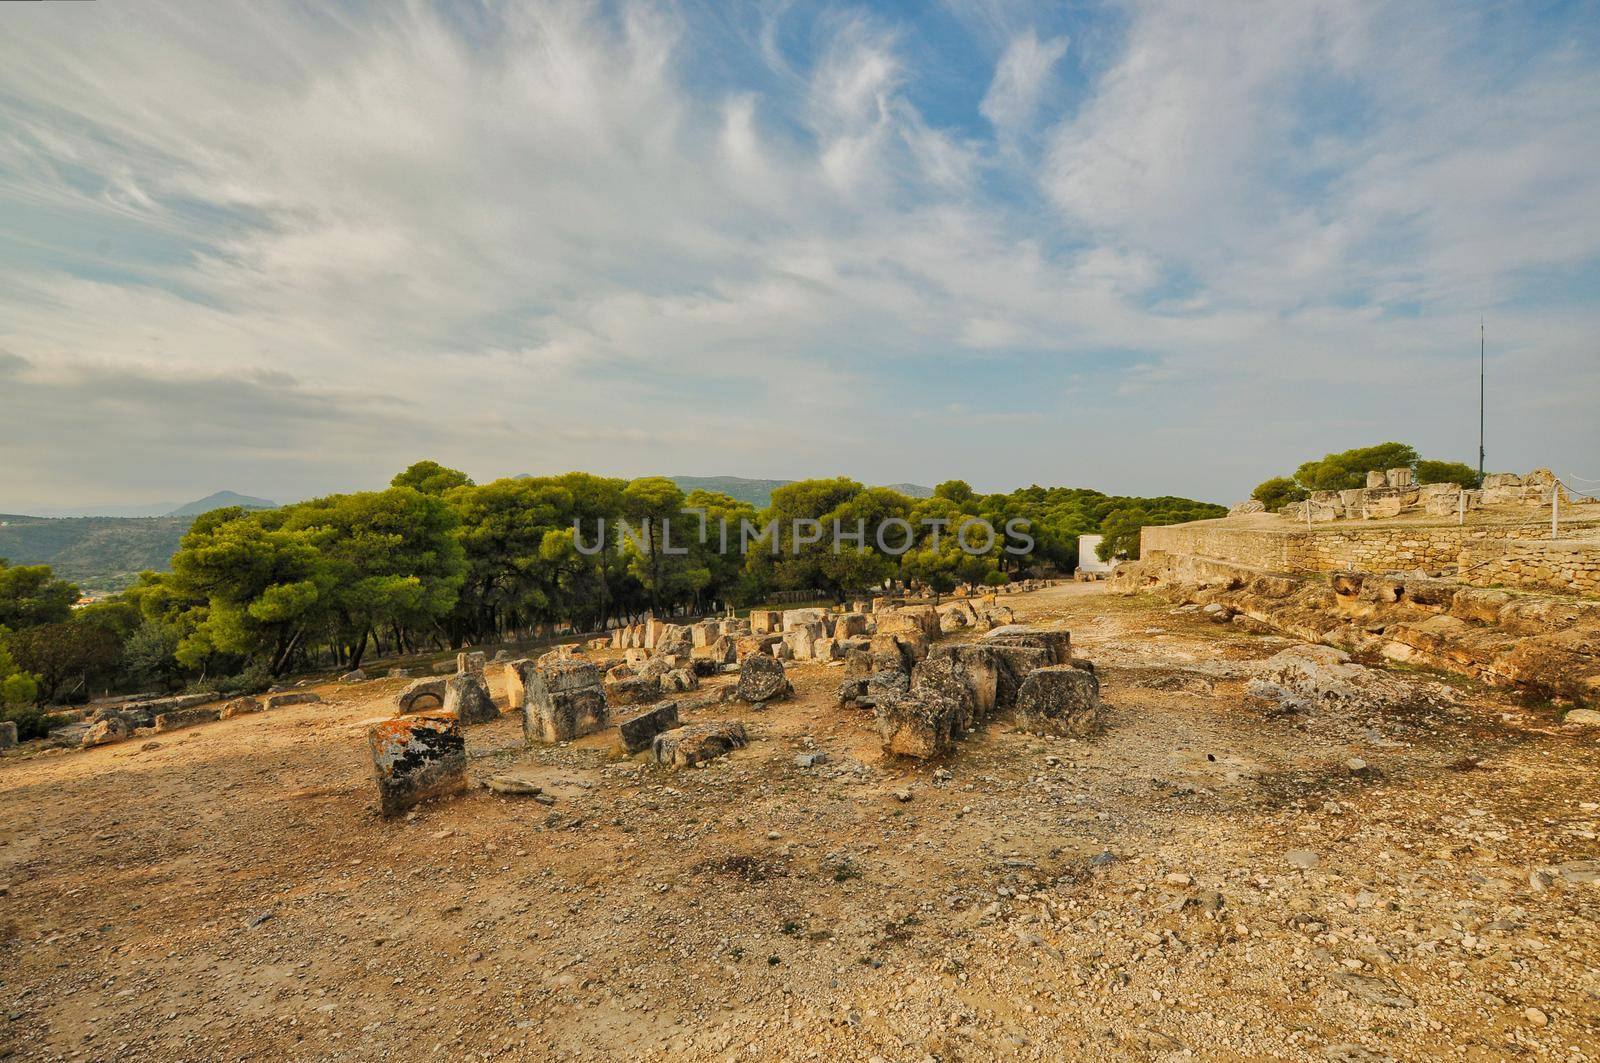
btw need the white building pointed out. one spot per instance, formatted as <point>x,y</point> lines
<point>1089,564</point>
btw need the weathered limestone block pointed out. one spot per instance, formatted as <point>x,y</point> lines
<point>1501,480</point>
<point>420,694</point>
<point>724,650</point>
<point>636,733</point>
<point>299,697</point>
<point>1401,477</point>
<point>1381,505</point>
<point>8,734</point>
<point>180,718</point>
<point>826,650</point>
<point>736,627</point>
<point>801,637</point>
<point>563,701</point>
<point>705,633</point>
<point>920,727</point>
<point>849,625</point>
<point>1248,506</point>
<point>240,707</point>
<point>680,680</point>
<point>761,678</point>
<point>633,689</point>
<point>416,757</point>
<point>471,662</point>
<point>793,618</point>
<point>1059,700</point>
<point>659,666</point>
<point>105,731</point>
<point>467,696</point>
<point>684,747</point>
<point>1482,606</point>
<point>1057,644</point>
<point>926,617</point>
<point>516,680</point>
<point>944,678</point>
<point>560,716</point>
<point>1377,478</point>
<point>981,668</point>
<point>765,621</point>
<point>355,676</point>
<point>897,651</point>
<point>1443,502</point>
<point>675,641</point>
<point>1020,662</point>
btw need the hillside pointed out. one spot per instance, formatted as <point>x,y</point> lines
<point>97,553</point>
<point>220,500</point>
<point>759,492</point>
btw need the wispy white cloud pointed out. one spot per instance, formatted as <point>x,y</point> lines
<point>574,235</point>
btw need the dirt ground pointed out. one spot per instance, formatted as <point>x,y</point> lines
<point>228,892</point>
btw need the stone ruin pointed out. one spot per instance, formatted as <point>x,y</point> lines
<point>1393,492</point>
<point>924,697</point>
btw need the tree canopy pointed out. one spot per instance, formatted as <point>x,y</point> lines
<point>438,560</point>
<point>1347,470</point>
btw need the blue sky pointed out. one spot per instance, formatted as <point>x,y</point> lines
<point>1151,248</point>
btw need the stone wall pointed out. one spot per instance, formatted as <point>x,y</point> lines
<point>1400,546</point>
<point>1259,547</point>
<point>1567,566</point>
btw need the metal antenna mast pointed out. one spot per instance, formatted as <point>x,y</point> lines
<point>1480,401</point>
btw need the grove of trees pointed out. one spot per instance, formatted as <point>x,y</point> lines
<point>436,560</point>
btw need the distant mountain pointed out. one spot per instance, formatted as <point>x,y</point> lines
<point>220,500</point>
<point>759,492</point>
<point>911,490</point>
<point>756,492</point>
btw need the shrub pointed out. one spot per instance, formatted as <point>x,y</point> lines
<point>1278,492</point>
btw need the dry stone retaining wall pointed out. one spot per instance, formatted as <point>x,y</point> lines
<point>1567,566</point>
<point>1381,547</point>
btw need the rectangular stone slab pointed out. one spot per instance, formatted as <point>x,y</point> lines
<point>416,757</point>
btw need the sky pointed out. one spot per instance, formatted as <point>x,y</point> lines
<point>1164,248</point>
